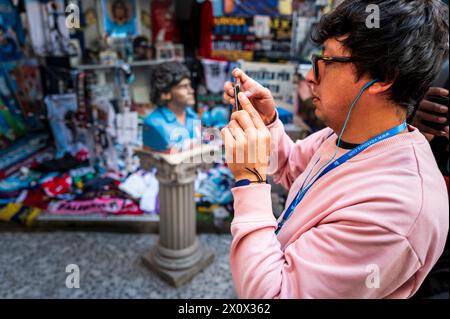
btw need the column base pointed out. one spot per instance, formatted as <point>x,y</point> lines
<point>178,278</point>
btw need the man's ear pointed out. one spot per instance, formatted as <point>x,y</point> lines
<point>166,96</point>
<point>380,87</point>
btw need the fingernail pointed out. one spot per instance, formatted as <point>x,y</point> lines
<point>442,119</point>
<point>443,109</point>
<point>248,93</point>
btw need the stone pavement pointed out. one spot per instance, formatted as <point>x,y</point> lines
<point>33,265</point>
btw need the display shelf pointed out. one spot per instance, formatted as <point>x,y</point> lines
<point>93,67</point>
<point>97,218</point>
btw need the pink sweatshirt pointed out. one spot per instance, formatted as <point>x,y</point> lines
<point>385,212</point>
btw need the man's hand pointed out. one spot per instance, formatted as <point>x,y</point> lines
<point>247,142</point>
<point>427,106</point>
<point>259,96</point>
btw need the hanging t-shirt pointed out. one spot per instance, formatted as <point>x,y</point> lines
<point>127,127</point>
<point>163,22</point>
<point>47,27</point>
<point>215,74</point>
<point>206,30</point>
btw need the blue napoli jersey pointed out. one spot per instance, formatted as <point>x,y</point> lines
<point>162,130</point>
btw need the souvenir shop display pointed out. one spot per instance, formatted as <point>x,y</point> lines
<point>266,31</point>
<point>135,74</point>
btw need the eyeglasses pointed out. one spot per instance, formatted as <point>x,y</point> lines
<point>315,58</point>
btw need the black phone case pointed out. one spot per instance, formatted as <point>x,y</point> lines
<point>237,90</point>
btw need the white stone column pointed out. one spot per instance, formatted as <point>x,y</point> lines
<point>178,256</point>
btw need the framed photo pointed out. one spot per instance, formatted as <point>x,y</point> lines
<point>165,51</point>
<point>178,52</point>
<point>119,17</point>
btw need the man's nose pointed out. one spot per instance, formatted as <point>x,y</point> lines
<point>310,78</point>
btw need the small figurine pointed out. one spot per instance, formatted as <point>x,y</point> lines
<point>141,49</point>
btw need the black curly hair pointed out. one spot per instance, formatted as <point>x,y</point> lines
<point>164,77</point>
<point>408,48</point>
<point>119,3</point>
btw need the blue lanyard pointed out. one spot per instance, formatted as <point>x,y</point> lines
<point>341,160</point>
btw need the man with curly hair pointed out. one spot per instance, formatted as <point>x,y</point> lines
<point>367,211</point>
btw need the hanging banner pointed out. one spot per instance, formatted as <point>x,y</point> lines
<point>251,7</point>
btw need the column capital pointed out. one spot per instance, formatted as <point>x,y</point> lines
<point>179,168</point>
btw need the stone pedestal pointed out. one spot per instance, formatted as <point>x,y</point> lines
<point>178,256</point>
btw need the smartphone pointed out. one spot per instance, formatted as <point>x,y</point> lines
<point>237,89</point>
<point>439,100</point>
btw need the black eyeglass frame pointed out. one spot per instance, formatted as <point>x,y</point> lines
<point>315,58</point>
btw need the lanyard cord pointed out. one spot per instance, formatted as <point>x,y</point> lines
<point>339,139</point>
